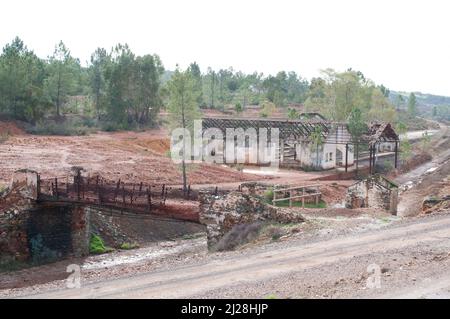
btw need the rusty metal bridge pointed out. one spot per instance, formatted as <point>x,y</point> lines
<point>136,198</point>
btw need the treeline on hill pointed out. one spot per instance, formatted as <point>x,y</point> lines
<point>121,90</point>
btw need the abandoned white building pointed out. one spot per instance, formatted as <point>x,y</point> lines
<point>306,144</point>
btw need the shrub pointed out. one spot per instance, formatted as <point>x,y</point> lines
<point>268,195</point>
<point>238,107</point>
<point>4,137</point>
<point>62,129</point>
<point>240,234</point>
<point>96,245</point>
<point>275,232</point>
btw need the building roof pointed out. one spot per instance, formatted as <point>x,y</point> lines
<point>302,129</point>
<point>381,132</point>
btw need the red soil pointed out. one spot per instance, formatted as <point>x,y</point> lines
<point>130,156</point>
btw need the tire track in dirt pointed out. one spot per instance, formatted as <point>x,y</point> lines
<point>187,281</point>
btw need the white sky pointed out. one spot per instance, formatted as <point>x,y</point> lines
<point>403,44</point>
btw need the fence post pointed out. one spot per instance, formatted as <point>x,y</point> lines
<point>303,197</point>
<point>78,185</point>
<point>290,199</point>
<point>149,199</point>
<point>116,191</point>
<point>38,186</point>
<point>317,196</point>
<point>165,196</point>
<point>82,187</point>
<point>56,187</point>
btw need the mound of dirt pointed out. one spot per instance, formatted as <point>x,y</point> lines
<point>10,128</point>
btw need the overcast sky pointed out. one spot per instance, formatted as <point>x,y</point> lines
<point>403,44</point>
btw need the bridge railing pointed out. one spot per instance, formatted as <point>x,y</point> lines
<point>95,189</point>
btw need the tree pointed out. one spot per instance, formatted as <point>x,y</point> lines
<point>183,108</point>
<point>292,114</point>
<point>357,127</point>
<point>238,108</point>
<point>267,109</point>
<point>336,94</point>
<point>317,140</point>
<point>145,89</point>
<point>405,145</point>
<point>210,83</point>
<point>412,104</point>
<point>381,108</point>
<point>100,60</point>
<point>426,140</point>
<point>22,76</point>
<point>62,76</point>
<point>194,69</point>
<point>119,78</point>
<point>400,101</point>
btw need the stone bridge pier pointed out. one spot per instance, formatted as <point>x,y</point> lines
<point>39,232</point>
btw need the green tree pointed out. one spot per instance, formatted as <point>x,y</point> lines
<point>356,125</point>
<point>119,75</point>
<point>238,108</point>
<point>145,89</point>
<point>412,104</point>
<point>183,108</point>
<point>61,80</point>
<point>22,76</point>
<point>426,140</point>
<point>400,102</point>
<point>292,114</point>
<point>317,140</point>
<point>381,108</point>
<point>210,83</point>
<point>267,109</point>
<point>194,69</point>
<point>100,60</point>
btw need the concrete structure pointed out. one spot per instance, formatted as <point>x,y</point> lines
<point>375,192</point>
<point>39,232</point>
<point>42,227</point>
<point>222,213</point>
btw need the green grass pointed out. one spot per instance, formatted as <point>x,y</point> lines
<point>128,246</point>
<point>12,266</point>
<point>385,220</point>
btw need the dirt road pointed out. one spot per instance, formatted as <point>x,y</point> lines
<point>301,269</point>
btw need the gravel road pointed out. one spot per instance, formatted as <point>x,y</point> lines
<point>409,254</point>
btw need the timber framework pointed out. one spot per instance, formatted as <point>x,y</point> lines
<point>298,146</point>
